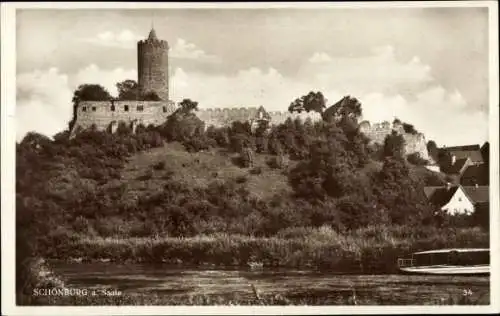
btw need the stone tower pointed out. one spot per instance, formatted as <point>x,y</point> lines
<point>152,64</point>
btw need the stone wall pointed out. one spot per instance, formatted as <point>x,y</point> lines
<point>103,113</point>
<point>280,117</point>
<point>152,62</point>
<point>414,143</point>
<point>220,117</point>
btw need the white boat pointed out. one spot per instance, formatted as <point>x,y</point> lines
<point>454,261</point>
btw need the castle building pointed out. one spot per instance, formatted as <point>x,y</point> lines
<point>153,77</point>
<point>152,64</point>
<point>414,143</point>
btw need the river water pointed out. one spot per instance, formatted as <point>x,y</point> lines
<point>321,287</point>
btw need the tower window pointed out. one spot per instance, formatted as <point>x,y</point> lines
<point>164,109</point>
<point>112,108</point>
<point>94,109</point>
<point>125,108</point>
<point>84,109</point>
<point>140,108</point>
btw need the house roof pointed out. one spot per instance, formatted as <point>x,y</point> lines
<point>479,194</point>
<point>439,195</point>
<point>475,174</point>
<point>458,166</point>
<point>474,155</point>
<point>462,148</point>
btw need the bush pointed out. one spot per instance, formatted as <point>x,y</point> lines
<point>246,158</point>
<point>159,166</point>
<point>256,170</point>
<point>278,162</point>
<point>196,143</point>
<point>147,176</point>
<point>416,160</point>
<point>241,179</point>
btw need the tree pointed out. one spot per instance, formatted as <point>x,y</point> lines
<point>399,194</point>
<point>485,152</point>
<point>394,146</point>
<point>247,157</point>
<point>187,105</point>
<point>410,129</point>
<point>91,92</point>
<point>433,150</point>
<point>150,96</point>
<point>88,92</point>
<point>347,107</point>
<point>313,101</point>
<point>128,90</point>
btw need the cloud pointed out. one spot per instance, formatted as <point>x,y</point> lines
<point>125,39</point>
<point>386,87</point>
<point>380,72</point>
<point>105,77</point>
<point>44,96</point>
<point>320,58</point>
<point>43,102</point>
<point>184,50</point>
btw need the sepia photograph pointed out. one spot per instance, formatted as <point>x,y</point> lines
<point>331,155</point>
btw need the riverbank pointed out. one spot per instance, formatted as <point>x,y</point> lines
<point>374,249</point>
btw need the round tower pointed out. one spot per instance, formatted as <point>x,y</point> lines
<point>152,64</point>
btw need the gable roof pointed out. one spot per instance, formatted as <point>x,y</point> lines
<point>462,152</point>
<point>458,166</point>
<point>475,174</point>
<point>441,195</point>
<point>474,155</point>
<point>479,194</point>
<point>462,148</point>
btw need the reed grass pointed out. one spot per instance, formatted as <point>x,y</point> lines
<point>367,249</point>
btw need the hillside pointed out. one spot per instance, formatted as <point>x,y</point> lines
<point>144,174</point>
<point>198,169</point>
<point>297,194</point>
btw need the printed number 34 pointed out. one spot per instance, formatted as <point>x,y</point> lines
<point>467,292</point>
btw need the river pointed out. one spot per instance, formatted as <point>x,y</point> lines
<point>312,286</point>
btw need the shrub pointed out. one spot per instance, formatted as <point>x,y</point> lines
<point>241,179</point>
<point>278,162</point>
<point>256,170</point>
<point>415,159</point>
<point>147,176</point>
<point>246,158</point>
<point>159,166</point>
<point>197,143</point>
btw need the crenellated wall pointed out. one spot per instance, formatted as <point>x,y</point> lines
<point>278,117</point>
<point>219,117</point>
<point>106,115</point>
<point>414,143</point>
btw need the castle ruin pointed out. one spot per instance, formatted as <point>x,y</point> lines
<point>414,143</point>
<point>153,77</point>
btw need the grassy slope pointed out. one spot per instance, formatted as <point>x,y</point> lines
<point>198,169</point>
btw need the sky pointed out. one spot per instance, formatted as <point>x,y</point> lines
<point>425,66</point>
